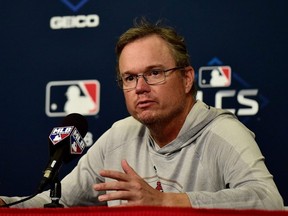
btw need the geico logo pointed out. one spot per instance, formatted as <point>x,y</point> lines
<point>252,106</point>
<point>80,21</point>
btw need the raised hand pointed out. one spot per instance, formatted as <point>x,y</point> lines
<point>131,187</point>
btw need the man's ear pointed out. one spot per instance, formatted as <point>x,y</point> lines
<point>189,78</point>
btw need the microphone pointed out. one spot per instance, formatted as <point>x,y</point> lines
<point>65,143</point>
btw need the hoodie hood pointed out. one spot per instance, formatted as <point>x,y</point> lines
<point>197,120</point>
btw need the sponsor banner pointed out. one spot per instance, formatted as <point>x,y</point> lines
<point>74,21</point>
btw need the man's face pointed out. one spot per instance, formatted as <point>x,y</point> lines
<point>152,104</point>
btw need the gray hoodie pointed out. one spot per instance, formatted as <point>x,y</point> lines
<point>214,159</point>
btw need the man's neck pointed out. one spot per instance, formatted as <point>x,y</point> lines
<point>165,132</point>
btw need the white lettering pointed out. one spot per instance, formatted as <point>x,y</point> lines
<point>76,135</point>
<point>61,130</point>
<point>80,21</point>
<point>92,20</point>
<point>219,97</point>
<point>253,106</point>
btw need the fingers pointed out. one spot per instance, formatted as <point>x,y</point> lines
<point>120,176</point>
<point>118,195</point>
<point>126,186</point>
<point>119,190</point>
<point>127,168</point>
<point>113,185</point>
<point>122,179</point>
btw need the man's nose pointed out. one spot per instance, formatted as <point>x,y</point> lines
<point>142,84</point>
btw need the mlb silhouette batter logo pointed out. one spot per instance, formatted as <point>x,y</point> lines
<point>80,96</point>
<point>216,76</point>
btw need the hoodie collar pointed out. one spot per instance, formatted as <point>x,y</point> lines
<point>198,118</point>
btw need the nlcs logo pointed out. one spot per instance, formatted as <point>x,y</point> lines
<point>216,88</point>
<point>64,97</point>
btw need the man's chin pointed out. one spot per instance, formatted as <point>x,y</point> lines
<point>146,118</point>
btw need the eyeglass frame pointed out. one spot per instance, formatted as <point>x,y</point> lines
<point>137,76</point>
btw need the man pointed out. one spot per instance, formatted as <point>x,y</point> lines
<point>174,150</point>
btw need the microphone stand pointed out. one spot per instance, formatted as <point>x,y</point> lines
<point>55,194</point>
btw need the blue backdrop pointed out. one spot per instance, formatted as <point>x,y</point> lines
<point>49,46</point>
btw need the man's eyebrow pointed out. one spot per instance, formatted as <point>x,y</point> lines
<point>146,69</point>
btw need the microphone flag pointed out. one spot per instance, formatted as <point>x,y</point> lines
<point>77,143</point>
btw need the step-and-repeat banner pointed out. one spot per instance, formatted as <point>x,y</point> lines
<point>58,53</point>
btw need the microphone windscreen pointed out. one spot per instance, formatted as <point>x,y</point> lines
<point>72,120</point>
<point>78,121</point>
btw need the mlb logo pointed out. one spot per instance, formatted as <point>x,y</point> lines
<point>215,76</point>
<point>59,133</point>
<point>79,96</point>
<point>77,143</point>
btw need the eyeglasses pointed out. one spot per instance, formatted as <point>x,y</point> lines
<point>151,77</point>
